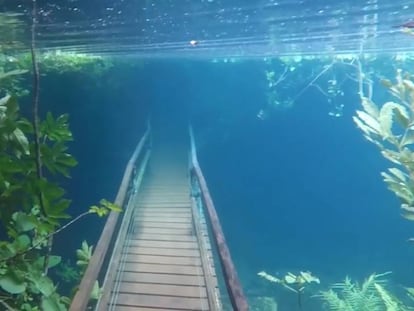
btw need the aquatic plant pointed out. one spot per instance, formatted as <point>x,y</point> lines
<point>61,62</point>
<point>25,256</point>
<point>292,282</point>
<point>370,296</point>
<point>391,128</point>
<point>67,272</point>
<point>33,156</point>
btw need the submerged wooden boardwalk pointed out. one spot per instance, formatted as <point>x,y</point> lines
<point>156,254</point>
<point>163,266</point>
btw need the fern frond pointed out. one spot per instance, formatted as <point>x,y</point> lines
<point>333,302</point>
<point>370,296</point>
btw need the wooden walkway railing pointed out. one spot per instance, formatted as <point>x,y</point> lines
<point>161,257</point>
<point>83,294</point>
<point>159,264</point>
<point>234,289</point>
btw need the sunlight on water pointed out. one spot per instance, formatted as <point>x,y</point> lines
<point>218,28</point>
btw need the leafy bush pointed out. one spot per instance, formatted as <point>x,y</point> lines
<point>32,206</point>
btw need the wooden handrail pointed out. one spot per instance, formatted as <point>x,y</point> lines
<point>234,289</point>
<point>116,258</point>
<point>83,294</point>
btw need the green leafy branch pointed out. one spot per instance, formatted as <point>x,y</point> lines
<point>391,128</point>
<point>24,223</point>
<point>31,220</point>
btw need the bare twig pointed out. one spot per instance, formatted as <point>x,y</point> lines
<point>311,83</point>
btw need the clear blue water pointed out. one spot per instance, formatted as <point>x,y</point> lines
<point>297,190</point>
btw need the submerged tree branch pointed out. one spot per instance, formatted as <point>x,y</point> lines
<point>35,122</point>
<point>35,96</point>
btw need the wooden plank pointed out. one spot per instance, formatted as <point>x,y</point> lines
<point>163,289</point>
<point>166,190</point>
<point>163,244</point>
<point>163,268</point>
<point>163,196</point>
<point>154,301</point>
<point>162,218</point>
<point>166,237</point>
<point>162,210</point>
<point>163,199</point>
<point>171,193</point>
<point>156,278</point>
<point>172,260</point>
<point>166,214</point>
<point>168,225</point>
<point>164,251</point>
<point>129,308</point>
<point>164,205</point>
<point>168,231</point>
<point>154,201</point>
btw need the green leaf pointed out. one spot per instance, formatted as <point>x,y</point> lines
<point>110,206</point>
<point>67,160</point>
<point>44,285</point>
<point>56,130</point>
<point>386,117</point>
<point>100,211</point>
<point>12,284</point>
<point>52,303</point>
<point>4,100</point>
<point>402,118</point>
<point>409,216</point>
<point>372,124</point>
<point>24,222</point>
<point>84,254</point>
<point>22,242</point>
<point>54,261</point>
<point>96,291</point>
<point>370,107</point>
<point>399,174</point>
<point>408,139</point>
<point>58,208</point>
<point>21,139</point>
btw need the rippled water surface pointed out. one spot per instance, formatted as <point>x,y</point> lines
<point>214,28</point>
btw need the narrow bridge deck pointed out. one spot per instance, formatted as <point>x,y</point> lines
<point>163,266</point>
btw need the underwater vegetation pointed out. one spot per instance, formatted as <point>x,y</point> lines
<point>371,295</point>
<point>388,125</point>
<point>33,208</point>
<point>391,128</point>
